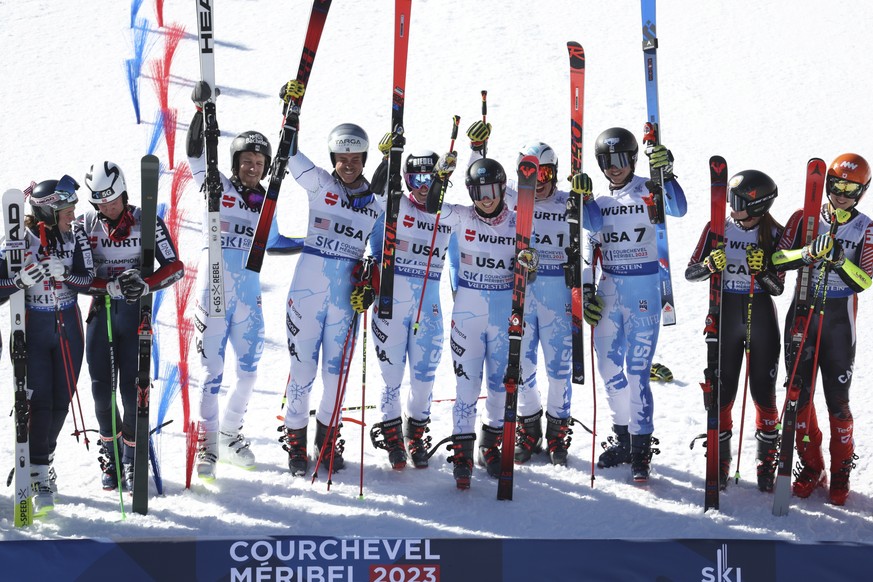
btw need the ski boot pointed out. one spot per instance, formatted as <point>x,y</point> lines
<point>43,498</point>
<point>462,459</point>
<point>207,454</point>
<point>106,459</point>
<point>809,472</point>
<point>617,449</point>
<point>724,458</point>
<point>767,454</point>
<point>416,441</point>
<point>336,455</point>
<point>234,449</point>
<point>558,433</point>
<point>842,449</point>
<point>528,437</point>
<point>490,439</point>
<point>388,435</point>
<point>294,443</point>
<point>127,458</point>
<point>641,456</point>
<point>839,490</point>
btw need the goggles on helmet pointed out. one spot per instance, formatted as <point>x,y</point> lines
<point>485,191</point>
<point>63,196</point>
<point>418,180</point>
<point>844,188</point>
<point>620,160</point>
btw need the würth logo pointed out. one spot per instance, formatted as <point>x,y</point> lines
<point>331,199</point>
<point>470,234</point>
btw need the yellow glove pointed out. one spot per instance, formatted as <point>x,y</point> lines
<point>292,91</point>
<point>581,184</point>
<point>755,259</point>
<point>592,305</point>
<point>818,249</point>
<point>362,298</point>
<point>479,133</point>
<point>716,261</point>
<point>385,143</point>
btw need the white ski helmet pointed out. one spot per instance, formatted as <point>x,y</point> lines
<point>105,180</point>
<point>348,138</point>
<point>543,153</point>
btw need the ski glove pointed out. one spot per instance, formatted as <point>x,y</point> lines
<point>365,278</point>
<point>292,91</point>
<point>132,285</point>
<point>660,373</point>
<point>479,133</point>
<point>385,143</point>
<point>660,158</point>
<point>445,166</point>
<point>592,305</point>
<point>716,261</point>
<point>581,184</point>
<point>29,275</point>
<point>529,259</point>
<point>55,268</point>
<point>113,289</point>
<point>202,93</point>
<point>755,259</point>
<point>818,249</point>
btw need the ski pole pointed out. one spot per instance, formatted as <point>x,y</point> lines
<point>113,375</point>
<point>748,347</point>
<point>363,399</point>
<point>597,257</point>
<point>455,121</point>
<point>484,115</point>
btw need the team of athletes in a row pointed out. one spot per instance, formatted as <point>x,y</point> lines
<point>99,254</point>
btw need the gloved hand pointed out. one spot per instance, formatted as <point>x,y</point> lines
<point>592,305</point>
<point>55,268</point>
<point>755,259</point>
<point>581,184</point>
<point>818,249</point>
<point>132,285</point>
<point>365,278</point>
<point>445,166</point>
<point>836,256</point>
<point>385,143</point>
<point>202,93</point>
<point>113,289</point>
<point>32,273</point>
<point>529,259</point>
<point>292,91</point>
<point>716,261</point>
<point>661,158</point>
<point>479,133</point>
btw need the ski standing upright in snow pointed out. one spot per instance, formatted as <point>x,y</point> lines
<point>573,267</point>
<point>13,218</point>
<point>212,184</point>
<point>803,303</point>
<point>527,184</point>
<point>712,374</point>
<point>651,139</point>
<point>287,136</point>
<point>150,172</point>
<point>402,9</point>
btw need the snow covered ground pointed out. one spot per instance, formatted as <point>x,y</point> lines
<point>765,86</point>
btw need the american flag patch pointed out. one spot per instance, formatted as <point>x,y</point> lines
<point>402,245</point>
<point>466,259</point>
<point>321,223</point>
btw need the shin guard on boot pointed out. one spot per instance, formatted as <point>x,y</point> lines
<point>842,449</point>
<point>528,436</point>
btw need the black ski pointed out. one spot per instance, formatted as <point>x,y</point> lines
<point>150,171</point>
<point>287,136</point>
<point>527,185</point>
<point>13,215</point>
<point>402,10</point>
<point>712,374</point>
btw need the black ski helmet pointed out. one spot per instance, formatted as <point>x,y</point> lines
<point>51,196</point>
<point>486,176</point>
<point>752,191</point>
<point>250,141</point>
<point>418,169</point>
<point>616,147</point>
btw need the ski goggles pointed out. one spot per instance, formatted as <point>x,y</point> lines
<point>546,173</point>
<point>485,191</point>
<point>755,207</point>
<point>64,195</point>
<point>620,160</point>
<point>844,188</point>
<point>418,180</point>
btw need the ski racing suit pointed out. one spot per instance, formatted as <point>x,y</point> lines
<point>834,344</point>
<point>764,347</point>
<point>319,315</point>
<point>395,339</point>
<point>55,342</point>
<point>626,337</point>
<point>112,256</point>
<point>243,323</point>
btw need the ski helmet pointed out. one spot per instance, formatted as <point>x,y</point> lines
<point>485,180</point>
<point>348,138</point>
<point>546,157</point>
<point>419,168</point>
<point>51,196</point>
<point>250,141</point>
<point>616,147</point>
<point>848,176</point>
<point>106,182</point>
<point>752,191</point>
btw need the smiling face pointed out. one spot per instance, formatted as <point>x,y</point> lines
<point>251,168</point>
<point>66,218</point>
<point>349,167</point>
